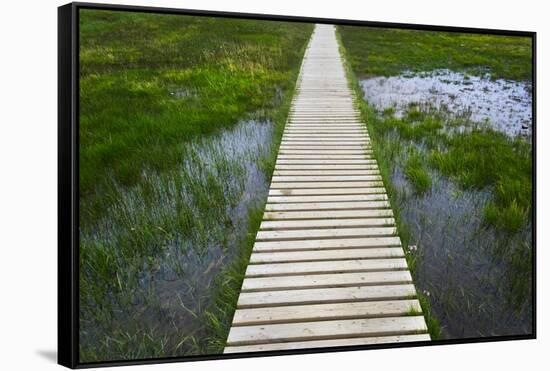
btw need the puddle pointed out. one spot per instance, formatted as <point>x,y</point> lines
<point>218,183</point>
<point>505,105</point>
<point>466,277</point>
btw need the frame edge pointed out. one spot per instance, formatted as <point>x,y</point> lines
<point>67,346</point>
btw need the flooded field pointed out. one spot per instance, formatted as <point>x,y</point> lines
<point>504,104</point>
<point>191,224</point>
<point>459,263</point>
<point>476,277</point>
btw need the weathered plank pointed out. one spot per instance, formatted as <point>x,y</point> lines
<point>244,335</point>
<point>326,280</point>
<point>290,296</point>
<point>325,223</point>
<point>341,198</point>
<point>329,255</point>
<point>345,342</point>
<point>323,312</point>
<point>358,265</point>
<point>306,206</point>
<point>320,184</point>
<point>314,244</point>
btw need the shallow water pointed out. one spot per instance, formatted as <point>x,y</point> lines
<point>505,105</point>
<point>219,181</point>
<point>459,264</point>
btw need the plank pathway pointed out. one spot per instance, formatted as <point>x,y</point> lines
<point>327,268</point>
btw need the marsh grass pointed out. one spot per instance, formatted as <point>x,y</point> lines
<point>386,52</point>
<point>471,154</point>
<point>417,174</point>
<point>150,82</point>
<point>180,120</point>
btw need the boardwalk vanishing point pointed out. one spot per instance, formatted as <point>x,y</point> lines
<point>327,268</point>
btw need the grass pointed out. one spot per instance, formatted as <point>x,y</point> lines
<point>417,174</point>
<point>149,82</point>
<point>167,208</point>
<point>476,157</point>
<point>482,158</point>
<point>387,52</point>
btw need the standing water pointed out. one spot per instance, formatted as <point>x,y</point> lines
<point>465,268</point>
<point>504,104</point>
<point>183,229</point>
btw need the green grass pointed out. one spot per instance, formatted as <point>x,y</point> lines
<point>485,158</point>
<point>477,157</point>
<point>149,82</point>
<point>386,52</point>
<point>166,213</point>
<point>417,174</point>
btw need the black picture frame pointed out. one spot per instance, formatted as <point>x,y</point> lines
<point>68,179</point>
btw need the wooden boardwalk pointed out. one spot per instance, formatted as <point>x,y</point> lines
<point>327,268</point>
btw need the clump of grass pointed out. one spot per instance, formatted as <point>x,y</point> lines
<point>521,263</point>
<point>228,287</point>
<point>510,218</point>
<point>485,158</point>
<point>434,327</point>
<point>417,174</point>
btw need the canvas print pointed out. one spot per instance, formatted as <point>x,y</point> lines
<point>253,185</point>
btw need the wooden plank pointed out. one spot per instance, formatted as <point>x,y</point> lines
<point>358,146</point>
<point>350,294</point>
<point>323,312</point>
<point>322,141</point>
<point>345,342</point>
<point>325,191</point>
<point>325,255</point>
<point>330,198</point>
<point>328,178</point>
<point>316,244</point>
<point>314,135</point>
<point>243,335</point>
<point>310,206</point>
<point>324,157</point>
<point>326,280</point>
<point>325,151</point>
<point>278,172</point>
<point>341,167</point>
<point>365,161</point>
<point>357,265</point>
<point>326,223</point>
<point>349,184</point>
<point>325,136</point>
<point>325,130</point>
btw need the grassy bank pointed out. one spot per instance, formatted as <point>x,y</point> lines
<point>387,52</point>
<point>180,119</point>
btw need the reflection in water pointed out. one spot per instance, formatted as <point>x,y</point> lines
<point>505,104</point>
